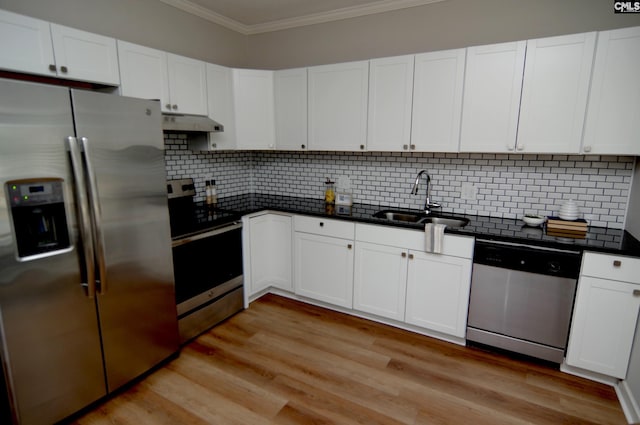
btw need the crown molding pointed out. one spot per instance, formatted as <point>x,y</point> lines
<point>312,19</point>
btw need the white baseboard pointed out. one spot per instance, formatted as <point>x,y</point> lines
<point>628,402</point>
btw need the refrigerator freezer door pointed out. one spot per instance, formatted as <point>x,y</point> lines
<point>124,152</point>
<point>50,346</point>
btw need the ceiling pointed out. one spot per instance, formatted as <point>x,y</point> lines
<point>258,16</point>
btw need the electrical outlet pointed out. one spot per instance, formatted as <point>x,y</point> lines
<point>469,191</point>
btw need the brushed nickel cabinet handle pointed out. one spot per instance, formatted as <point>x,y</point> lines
<point>636,292</point>
<point>52,67</point>
<point>174,106</point>
<point>413,147</point>
<point>64,69</point>
<point>168,106</point>
<point>617,263</point>
<point>587,149</point>
<point>405,147</point>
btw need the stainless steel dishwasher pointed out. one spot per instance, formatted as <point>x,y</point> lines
<point>522,298</point>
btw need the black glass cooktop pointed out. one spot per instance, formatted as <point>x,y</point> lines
<point>189,218</point>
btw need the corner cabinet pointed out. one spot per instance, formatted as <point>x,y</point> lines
<point>614,101</point>
<point>291,109</point>
<point>323,260</point>
<point>267,240</point>
<point>338,97</point>
<point>254,109</point>
<point>491,104</point>
<point>39,47</point>
<point>605,314</point>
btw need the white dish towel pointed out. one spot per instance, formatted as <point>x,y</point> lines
<point>434,237</point>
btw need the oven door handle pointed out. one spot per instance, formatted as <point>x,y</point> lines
<point>217,231</point>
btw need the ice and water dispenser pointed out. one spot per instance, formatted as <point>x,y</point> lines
<point>38,216</point>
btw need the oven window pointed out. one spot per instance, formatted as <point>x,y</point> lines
<point>206,263</point>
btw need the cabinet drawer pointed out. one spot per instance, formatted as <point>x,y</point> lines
<point>457,246</point>
<point>325,227</point>
<point>613,267</point>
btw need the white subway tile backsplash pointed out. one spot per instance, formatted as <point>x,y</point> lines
<point>509,185</point>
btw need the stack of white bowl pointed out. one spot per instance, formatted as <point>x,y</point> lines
<point>569,210</point>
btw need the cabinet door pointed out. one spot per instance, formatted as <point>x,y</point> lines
<point>492,85</point>
<point>323,268</point>
<point>438,292</point>
<point>614,100</point>
<point>187,85</point>
<point>380,280</point>
<point>254,108</point>
<point>554,93</point>
<point>437,101</point>
<point>603,326</point>
<point>338,106</point>
<point>25,44</point>
<point>143,72</point>
<point>291,109</point>
<point>270,251</point>
<point>221,109</point>
<point>84,56</point>
<point>390,93</point>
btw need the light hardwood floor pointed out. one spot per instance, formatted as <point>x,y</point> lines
<point>286,362</point>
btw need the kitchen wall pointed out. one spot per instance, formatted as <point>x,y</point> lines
<point>508,185</point>
<point>147,22</point>
<point>437,26</point>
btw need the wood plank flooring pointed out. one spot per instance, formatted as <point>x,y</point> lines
<point>286,362</point>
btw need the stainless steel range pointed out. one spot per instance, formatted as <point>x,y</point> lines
<point>207,260</point>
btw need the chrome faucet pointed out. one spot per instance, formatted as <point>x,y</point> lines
<point>414,191</point>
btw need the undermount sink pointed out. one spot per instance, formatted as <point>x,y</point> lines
<point>419,217</point>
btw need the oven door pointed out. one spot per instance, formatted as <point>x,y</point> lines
<point>207,266</point>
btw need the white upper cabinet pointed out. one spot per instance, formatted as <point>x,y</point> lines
<point>220,97</point>
<point>554,93</point>
<point>491,101</point>
<point>177,81</point>
<point>25,44</point>
<point>338,106</point>
<point>437,101</point>
<point>614,100</point>
<point>390,91</point>
<point>291,109</point>
<point>38,47</point>
<point>143,72</point>
<point>187,85</point>
<point>254,109</point>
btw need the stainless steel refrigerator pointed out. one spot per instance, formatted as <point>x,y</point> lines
<point>86,276</point>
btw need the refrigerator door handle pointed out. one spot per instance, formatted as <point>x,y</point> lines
<point>94,204</point>
<point>84,218</point>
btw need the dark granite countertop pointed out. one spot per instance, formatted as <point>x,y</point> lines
<point>489,228</point>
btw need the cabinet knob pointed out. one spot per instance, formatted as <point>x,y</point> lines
<point>520,147</point>
<point>64,69</point>
<point>617,263</point>
<point>349,246</point>
<point>509,148</point>
<point>404,255</point>
<point>636,292</point>
<point>321,224</point>
<point>52,67</point>
<point>302,146</point>
<point>413,147</point>
<point>168,106</point>
<point>405,147</point>
<point>361,147</point>
<point>174,106</point>
<point>410,256</point>
<point>587,149</point>
<point>213,145</point>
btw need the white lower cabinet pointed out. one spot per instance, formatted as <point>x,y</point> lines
<point>605,314</point>
<point>438,292</point>
<point>396,279</point>
<point>380,280</point>
<point>268,252</point>
<point>323,260</point>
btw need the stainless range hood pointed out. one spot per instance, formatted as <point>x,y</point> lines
<point>190,124</point>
